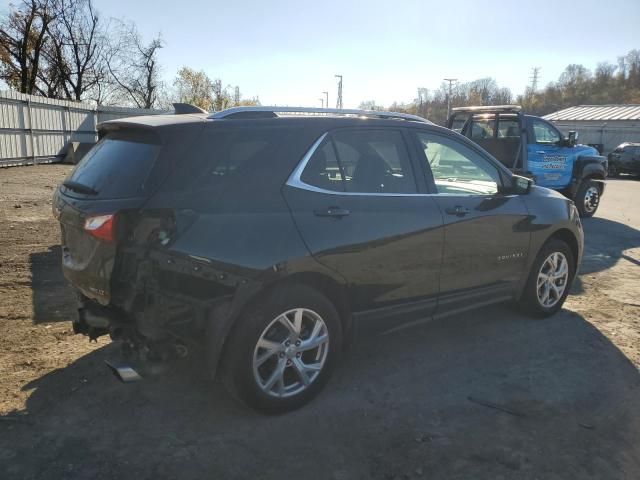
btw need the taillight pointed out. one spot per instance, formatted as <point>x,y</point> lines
<point>102,227</point>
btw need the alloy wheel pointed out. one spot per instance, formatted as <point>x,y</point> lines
<point>591,199</point>
<point>290,353</point>
<point>552,279</point>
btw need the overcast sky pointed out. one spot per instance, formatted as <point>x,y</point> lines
<point>287,52</point>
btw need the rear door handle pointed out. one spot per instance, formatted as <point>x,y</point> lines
<point>335,212</point>
<point>458,210</point>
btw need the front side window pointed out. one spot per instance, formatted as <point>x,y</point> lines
<point>361,161</point>
<point>456,168</point>
<point>632,151</point>
<point>544,133</point>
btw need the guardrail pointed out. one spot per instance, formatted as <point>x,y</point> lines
<point>37,130</point>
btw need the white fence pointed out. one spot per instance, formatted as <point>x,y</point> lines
<point>37,129</point>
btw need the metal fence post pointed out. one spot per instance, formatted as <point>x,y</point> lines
<point>32,142</point>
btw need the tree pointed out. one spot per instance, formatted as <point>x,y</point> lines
<point>249,102</point>
<point>23,37</point>
<point>368,105</point>
<point>221,97</point>
<point>134,68</point>
<point>195,88</point>
<point>77,47</point>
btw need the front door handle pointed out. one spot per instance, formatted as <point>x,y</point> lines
<point>335,212</point>
<point>458,210</point>
<point>541,152</point>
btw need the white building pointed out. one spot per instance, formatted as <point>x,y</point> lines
<point>603,126</point>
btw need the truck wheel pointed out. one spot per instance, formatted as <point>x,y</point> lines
<point>587,198</point>
<point>283,350</point>
<point>612,170</point>
<point>549,279</point>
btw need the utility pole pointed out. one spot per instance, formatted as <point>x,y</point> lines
<point>422,98</point>
<point>450,80</point>
<point>326,95</point>
<point>535,72</point>
<point>321,102</point>
<point>339,101</point>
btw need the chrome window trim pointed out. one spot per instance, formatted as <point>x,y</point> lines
<point>295,181</point>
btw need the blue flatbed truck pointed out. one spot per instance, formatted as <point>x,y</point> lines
<point>532,147</point>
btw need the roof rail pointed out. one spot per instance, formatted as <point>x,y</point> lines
<point>489,108</point>
<point>245,112</point>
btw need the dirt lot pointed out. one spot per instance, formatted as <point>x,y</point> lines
<point>399,406</point>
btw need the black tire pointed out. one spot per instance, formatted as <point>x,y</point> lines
<point>237,362</point>
<point>612,170</point>
<point>529,301</point>
<point>587,198</point>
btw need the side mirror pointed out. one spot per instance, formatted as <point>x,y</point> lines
<point>572,139</point>
<point>518,185</point>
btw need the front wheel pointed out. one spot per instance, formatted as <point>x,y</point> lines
<point>283,350</point>
<point>587,198</point>
<point>613,170</point>
<point>549,279</point>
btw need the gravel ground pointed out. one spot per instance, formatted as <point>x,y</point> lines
<point>409,405</point>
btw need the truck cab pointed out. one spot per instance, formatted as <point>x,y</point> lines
<point>532,147</point>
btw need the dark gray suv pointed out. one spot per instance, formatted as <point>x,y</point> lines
<point>266,238</point>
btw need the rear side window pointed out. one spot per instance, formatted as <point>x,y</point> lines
<point>231,158</point>
<point>323,169</point>
<point>118,166</point>
<point>361,161</point>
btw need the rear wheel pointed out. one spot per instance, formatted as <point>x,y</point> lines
<point>587,198</point>
<point>283,350</point>
<point>549,280</point>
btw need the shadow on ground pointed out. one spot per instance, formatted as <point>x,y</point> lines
<point>53,299</point>
<point>398,406</point>
<point>605,244</point>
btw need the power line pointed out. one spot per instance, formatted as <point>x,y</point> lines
<point>535,76</point>
<point>339,100</point>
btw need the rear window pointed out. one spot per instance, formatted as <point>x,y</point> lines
<point>483,127</point>
<point>508,127</point>
<point>118,166</point>
<point>458,123</point>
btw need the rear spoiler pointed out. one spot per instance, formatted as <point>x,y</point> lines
<point>149,122</point>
